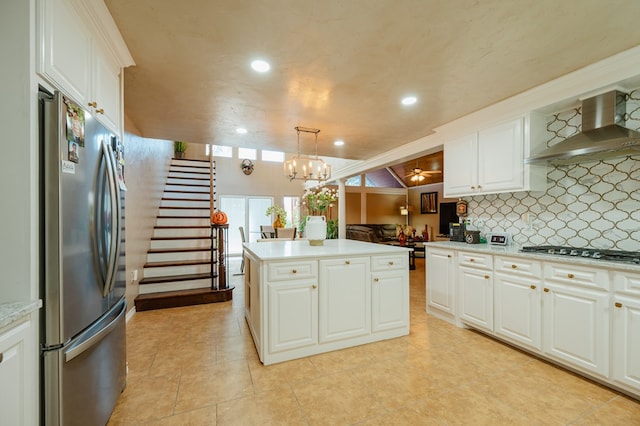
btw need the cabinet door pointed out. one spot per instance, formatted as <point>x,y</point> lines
<point>390,300</point>
<point>460,166</point>
<point>12,375</point>
<point>517,309</point>
<point>65,59</point>
<point>501,157</point>
<point>626,341</point>
<point>106,89</point>
<point>576,327</point>
<point>441,281</point>
<point>476,297</point>
<point>345,298</point>
<point>293,315</point>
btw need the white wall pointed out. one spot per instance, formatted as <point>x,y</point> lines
<point>19,210</point>
<point>146,169</point>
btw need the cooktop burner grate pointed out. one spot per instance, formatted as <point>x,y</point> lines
<point>590,253</point>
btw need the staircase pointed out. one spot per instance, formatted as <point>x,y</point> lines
<point>179,271</point>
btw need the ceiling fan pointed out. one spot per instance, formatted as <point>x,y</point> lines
<point>417,174</point>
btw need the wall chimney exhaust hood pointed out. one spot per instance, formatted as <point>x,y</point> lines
<point>603,134</point>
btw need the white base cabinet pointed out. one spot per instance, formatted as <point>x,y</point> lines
<point>626,330</point>
<point>475,289</point>
<point>441,271</point>
<point>305,307</point>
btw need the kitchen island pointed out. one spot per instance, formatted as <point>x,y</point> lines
<point>303,300</point>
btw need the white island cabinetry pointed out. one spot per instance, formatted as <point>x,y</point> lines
<point>305,300</point>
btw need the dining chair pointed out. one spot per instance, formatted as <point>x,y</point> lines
<point>242,237</point>
<point>286,233</point>
<point>267,231</point>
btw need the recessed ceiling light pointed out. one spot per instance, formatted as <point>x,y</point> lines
<point>338,143</point>
<point>409,100</point>
<point>260,65</point>
<point>241,130</point>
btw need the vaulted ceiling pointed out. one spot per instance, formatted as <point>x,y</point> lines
<point>343,66</point>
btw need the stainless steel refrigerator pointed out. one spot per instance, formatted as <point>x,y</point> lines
<point>83,364</point>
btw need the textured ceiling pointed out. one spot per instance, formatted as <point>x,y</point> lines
<point>343,66</point>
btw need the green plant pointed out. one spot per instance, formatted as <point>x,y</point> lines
<point>332,229</point>
<point>179,146</point>
<point>278,211</point>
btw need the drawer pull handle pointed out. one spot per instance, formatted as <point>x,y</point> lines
<point>617,304</point>
<point>570,276</point>
<point>473,187</point>
<point>1,356</point>
<point>100,111</point>
<point>546,290</point>
<point>375,280</point>
<point>449,256</point>
<point>391,263</point>
<point>314,286</point>
<point>347,262</point>
<point>514,266</point>
<point>533,287</point>
<point>472,260</point>
<point>294,271</point>
<point>93,104</point>
<point>486,277</point>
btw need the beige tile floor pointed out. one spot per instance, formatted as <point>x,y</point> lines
<point>197,366</point>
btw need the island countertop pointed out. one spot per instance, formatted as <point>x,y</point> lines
<point>280,250</point>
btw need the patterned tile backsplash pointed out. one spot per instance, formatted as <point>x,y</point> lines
<point>593,204</point>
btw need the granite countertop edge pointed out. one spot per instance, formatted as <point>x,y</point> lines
<point>14,311</point>
<point>514,250</point>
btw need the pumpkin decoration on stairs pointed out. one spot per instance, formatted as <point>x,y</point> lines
<point>219,217</point>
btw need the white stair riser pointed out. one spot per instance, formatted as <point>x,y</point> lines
<point>184,212</point>
<point>189,175</point>
<point>182,232</point>
<point>169,244</point>
<point>166,271</point>
<point>177,256</point>
<point>204,196</point>
<point>177,285</point>
<point>189,168</point>
<point>197,182</point>
<point>195,221</point>
<point>176,162</point>
<point>200,204</point>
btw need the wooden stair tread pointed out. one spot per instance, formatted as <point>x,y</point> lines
<point>183,208</point>
<point>195,172</point>
<point>175,278</point>
<point>191,185</point>
<point>203,200</point>
<point>175,191</point>
<point>183,217</point>
<point>178,250</point>
<point>178,263</point>
<point>199,237</point>
<point>173,299</point>
<point>182,227</point>
<point>187,178</point>
<point>193,160</point>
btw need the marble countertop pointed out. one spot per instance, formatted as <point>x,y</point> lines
<point>14,311</point>
<point>514,250</point>
<point>279,250</point>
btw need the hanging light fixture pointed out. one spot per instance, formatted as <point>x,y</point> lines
<point>302,168</point>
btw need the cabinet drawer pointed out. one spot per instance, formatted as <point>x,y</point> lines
<point>475,260</point>
<point>518,266</point>
<point>287,271</point>
<point>391,262</point>
<point>577,275</point>
<point>627,282</point>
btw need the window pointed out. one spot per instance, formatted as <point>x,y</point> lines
<point>275,156</point>
<point>247,153</point>
<point>292,207</point>
<point>219,151</point>
<point>247,212</point>
<point>353,181</point>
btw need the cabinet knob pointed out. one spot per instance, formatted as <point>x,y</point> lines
<point>472,260</point>
<point>314,286</point>
<point>514,266</point>
<point>533,287</point>
<point>1,356</point>
<point>449,256</point>
<point>375,280</point>
<point>479,186</point>
<point>294,271</point>
<point>347,262</point>
<point>617,305</point>
<point>391,263</point>
<point>93,104</point>
<point>546,290</point>
<point>570,275</point>
<point>486,277</point>
<point>100,111</point>
<point>473,187</point>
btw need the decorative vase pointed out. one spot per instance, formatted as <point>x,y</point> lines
<point>316,230</point>
<point>178,155</point>
<point>425,234</point>
<point>278,223</point>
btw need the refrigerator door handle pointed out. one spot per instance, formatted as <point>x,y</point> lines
<point>114,247</point>
<point>85,344</point>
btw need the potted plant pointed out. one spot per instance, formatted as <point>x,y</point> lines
<point>179,148</point>
<point>281,215</point>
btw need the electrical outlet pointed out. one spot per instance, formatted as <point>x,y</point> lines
<point>134,275</point>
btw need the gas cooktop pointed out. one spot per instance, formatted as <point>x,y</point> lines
<point>590,253</point>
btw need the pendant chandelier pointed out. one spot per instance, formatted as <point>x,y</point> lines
<point>302,168</point>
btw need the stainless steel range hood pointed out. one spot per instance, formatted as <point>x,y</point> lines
<point>603,134</point>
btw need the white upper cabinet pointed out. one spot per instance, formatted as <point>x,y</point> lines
<point>74,59</point>
<point>492,160</point>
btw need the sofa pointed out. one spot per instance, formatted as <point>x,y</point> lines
<point>372,233</point>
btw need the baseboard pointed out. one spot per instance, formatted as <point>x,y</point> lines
<point>130,313</point>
